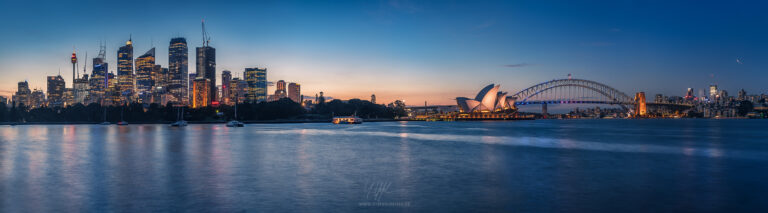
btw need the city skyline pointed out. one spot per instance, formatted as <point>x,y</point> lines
<point>414,51</point>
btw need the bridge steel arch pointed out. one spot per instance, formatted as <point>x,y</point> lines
<point>609,94</point>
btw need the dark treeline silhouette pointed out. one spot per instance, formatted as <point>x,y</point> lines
<point>153,113</point>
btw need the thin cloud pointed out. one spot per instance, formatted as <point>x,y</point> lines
<point>517,65</point>
<point>738,61</point>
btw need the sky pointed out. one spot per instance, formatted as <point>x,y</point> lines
<point>417,51</point>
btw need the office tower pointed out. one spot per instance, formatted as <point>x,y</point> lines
<point>712,92</point>
<point>144,66</point>
<point>279,91</point>
<point>226,78</point>
<point>294,92</point>
<point>257,84</point>
<point>177,70</point>
<point>201,90</point>
<point>98,81</point>
<point>241,91</point>
<point>158,76</point>
<point>190,86</point>
<point>38,98</point>
<point>125,77</point>
<point>373,98</point>
<point>81,89</point>
<point>206,68</point>
<point>22,95</point>
<point>56,87</point>
<point>742,95</point>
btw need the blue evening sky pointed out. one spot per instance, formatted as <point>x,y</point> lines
<point>414,50</point>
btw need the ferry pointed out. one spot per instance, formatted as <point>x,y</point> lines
<point>347,120</point>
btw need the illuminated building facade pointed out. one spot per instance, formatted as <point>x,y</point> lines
<point>712,92</point>
<point>125,77</point>
<point>201,88</point>
<point>178,64</point>
<point>81,90</point>
<point>489,99</point>
<point>145,64</point>
<point>206,68</point>
<point>640,109</point>
<point>23,94</point>
<point>256,79</point>
<point>191,88</point>
<point>37,99</point>
<point>280,91</point>
<point>226,90</point>
<point>294,92</point>
<point>98,81</point>
<point>56,86</point>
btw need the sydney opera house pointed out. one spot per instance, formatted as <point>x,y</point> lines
<point>489,99</point>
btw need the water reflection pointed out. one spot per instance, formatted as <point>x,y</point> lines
<point>462,166</point>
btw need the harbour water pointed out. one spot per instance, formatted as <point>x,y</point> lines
<point>520,166</point>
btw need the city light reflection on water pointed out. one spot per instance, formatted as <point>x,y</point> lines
<point>578,165</point>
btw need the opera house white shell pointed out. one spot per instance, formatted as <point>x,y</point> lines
<point>489,99</point>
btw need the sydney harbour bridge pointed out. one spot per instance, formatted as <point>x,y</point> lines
<point>561,91</point>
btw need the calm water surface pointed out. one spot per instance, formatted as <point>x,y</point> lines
<point>525,166</point>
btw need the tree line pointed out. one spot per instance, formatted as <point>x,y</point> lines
<point>283,109</point>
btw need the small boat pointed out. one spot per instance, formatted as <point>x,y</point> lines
<point>105,123</point>
<point>347,120</point>
<point>235,124</point>
<point>179,123</point>
<point>121,123</point>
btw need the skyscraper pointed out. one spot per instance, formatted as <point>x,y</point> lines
<point>206,68</point>
<point>125,79</point>
<point>98,81</point>
<point>226,90</point>
<point>191,88</point>
<point>294,92</point>
<point>712,92</point>
<point>56,86</point>
<point>201,92</point>
<point>177,70</point>
<point>23,94</point>
<point>81,90</point>
<point>257,84</point>
<point>144,66</point>
<point>280,90</point>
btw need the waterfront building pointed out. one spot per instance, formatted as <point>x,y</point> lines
<point>55,91</point>
<point>206,68</point>
<point>125,77</point>
<point>177,70</point>
<point>144,66</point>
<point>201,88</point>
<point>294,92</point>
<point>489,99</point>
<point>226,92</point>
<point>257,84</point>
